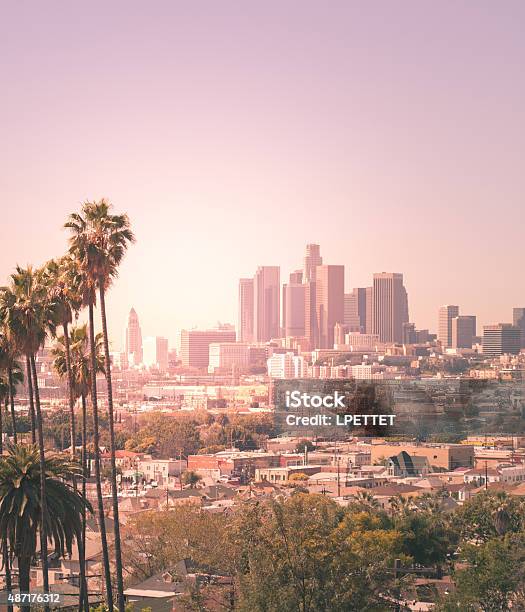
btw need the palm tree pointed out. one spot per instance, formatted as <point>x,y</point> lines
<point>78,367</point>
<point>21,516</point>
<point>13,372</point>
<point>61,280</point>
<point>27,315</point>
<point>4,397</point>
<point>366,501</point>
<point>88,293</point>
<point>99,241</point>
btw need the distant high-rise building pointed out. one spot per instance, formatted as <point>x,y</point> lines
<point>355,310</point>
<point>296,278</point>
<point>155,353</point>
<point>311,261</point>
<point>330,289</point>
<point>266,299</point>
<point>446,314</point>
<point>310,319</point>
<point>518,318</point>
<point>501,339</point>
<point>409,333</point>
<point>463,331</point>
<point>293,318</point>
<point>195,345</point>
<point>369,325</point>
<point>390,307</point>
<point>133,339</point>
<point>245,325</point>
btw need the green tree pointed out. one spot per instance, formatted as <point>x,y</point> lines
<point>494,577</point>
<point>488,515</point>
<point>166,436</point>
<point>191,479</point>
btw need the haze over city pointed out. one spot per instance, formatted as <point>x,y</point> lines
<point>391,135</point>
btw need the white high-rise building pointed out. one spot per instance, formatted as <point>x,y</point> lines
<point>287,365</point>
<point>445,316</point>
<point>155,353</point>
<point>133,339</point>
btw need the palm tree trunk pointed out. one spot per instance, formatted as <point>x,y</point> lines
<point>7,567</point>
<point>6,413</point>
<point>83,596</point>
<point>43,499</point>
<point>101,518</point>
<point>84,601</point>
<point>24,566</point>
<point>31,402</point>
<point>12,402</point>
<point>71,393</point>
<point>1,430</point>
<point>114,491</point>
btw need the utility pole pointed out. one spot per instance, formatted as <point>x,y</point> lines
<point>180,468</point>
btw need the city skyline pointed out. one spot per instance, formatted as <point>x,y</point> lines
<point>315,306</point>
<point>376,132</point>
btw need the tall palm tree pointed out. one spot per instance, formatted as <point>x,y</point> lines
<point>87,290</point>
<point>4,398</point>
<point>79,364</point>
<point>12,369</point>
<point>21,516</point>
<point>4,395</point>
<point>99,241</point>
<point>27,314</point>
<point>64,292</point>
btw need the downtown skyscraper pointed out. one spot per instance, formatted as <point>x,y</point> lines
<point>246,314</point>
<point>266,303</point>
<point>293,306</point>
<point>445,316</point>
<point>390,307</point>
<point>329,302</point>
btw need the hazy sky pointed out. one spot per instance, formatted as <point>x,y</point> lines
<point>392,133</point>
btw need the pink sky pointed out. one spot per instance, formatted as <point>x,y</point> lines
<point>233,133</point>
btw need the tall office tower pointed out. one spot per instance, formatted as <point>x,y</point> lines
<point>501,339</point>
<point>369,324</point>
<point>296,277</point>
<point>311,261</point>
<point>266,299</point>
<point>518,318</point>
<point>311,330</point>
<point>155,353</point>
<point>329,301</point>
<point>390,307</point>
<point>294,306</point>
<point>245,324</point>
<point>355,310</point>
<point>133,339</point>
<point>445,316</point>
<point>195,345</point>
<point>463,331</point>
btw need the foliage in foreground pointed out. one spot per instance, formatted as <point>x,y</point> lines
<point>305,553</point>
